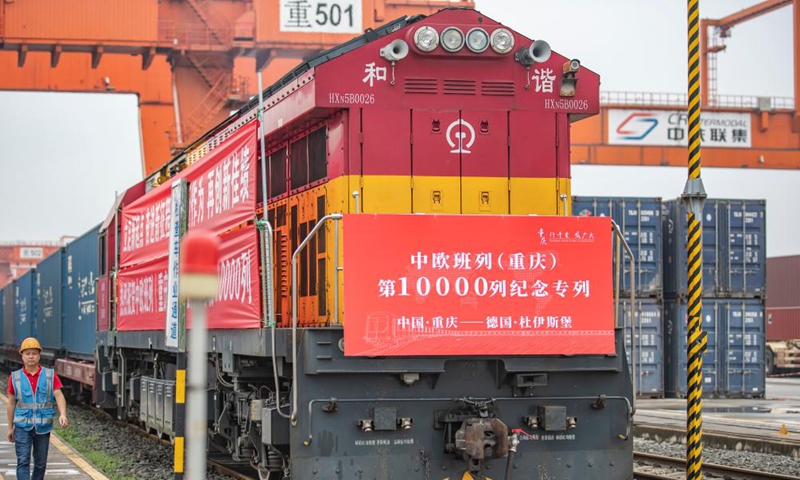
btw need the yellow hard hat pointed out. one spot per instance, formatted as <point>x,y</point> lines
<point>29,343</point>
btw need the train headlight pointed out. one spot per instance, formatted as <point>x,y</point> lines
<point>477,40</point>
<point>426,39</point>
<point>502,41</point>
<point>452,39</point>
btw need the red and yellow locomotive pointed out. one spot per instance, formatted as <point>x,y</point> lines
<point>448,115</point>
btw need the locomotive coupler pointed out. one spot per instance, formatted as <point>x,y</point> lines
<point>481,439</point>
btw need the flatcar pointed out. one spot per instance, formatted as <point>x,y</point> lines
<point>355,209</point>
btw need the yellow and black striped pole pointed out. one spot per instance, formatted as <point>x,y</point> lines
<point>694,196</point>
<point>180,413</point>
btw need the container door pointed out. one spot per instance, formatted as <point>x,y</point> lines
<point>745,348</point>
<point>712,249</point>
<point>48,296</point>
<point>640,221</point>
<point>438,143</point>
<point>745,243</point>
<point>649,345</point>
<point>676,348</point>
<point>483,138</point>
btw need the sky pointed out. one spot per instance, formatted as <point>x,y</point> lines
<point>64,156</point>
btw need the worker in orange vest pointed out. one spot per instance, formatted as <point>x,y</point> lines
<point>30,419</point>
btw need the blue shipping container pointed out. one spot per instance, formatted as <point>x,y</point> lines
<point>733,365</point>
<point>25,306</point>
<point>48,300</point>
<point>8,314</point>
<point>734,248</point>
<point>640,222</point>
<point>649,376</point>
<point>2,312</point>
<point>80,304</point>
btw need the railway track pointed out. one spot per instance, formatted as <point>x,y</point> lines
<point>658,467</point>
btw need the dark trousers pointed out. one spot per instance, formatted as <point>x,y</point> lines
<point>24,442</point>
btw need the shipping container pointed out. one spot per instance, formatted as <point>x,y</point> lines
<point>783,284</point>
<point>25,306</point>
<point>80,306</point>
<point>8,313</point>
<point>733,248</point>
<point>648,333</point>
<point>783,323</point>
<point>640,222</point>
<point>48,319</point>
<point>733,364</point>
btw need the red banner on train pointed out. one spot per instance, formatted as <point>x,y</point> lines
<point>222,194</point>
<point>419,285</point>
<point>238,302</point>
<point>142,296</point>
<point>222,187</point>
<point>142,289</point>
<point>145,227</point>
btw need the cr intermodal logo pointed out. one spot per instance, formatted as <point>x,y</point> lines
<point>637,126</point>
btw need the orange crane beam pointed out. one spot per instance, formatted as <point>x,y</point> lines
<point>212,49</point>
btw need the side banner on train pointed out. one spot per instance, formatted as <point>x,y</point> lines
<point>222,194</point>
<point>143,295</point>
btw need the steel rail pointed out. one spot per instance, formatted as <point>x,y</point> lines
<point>713,470</point>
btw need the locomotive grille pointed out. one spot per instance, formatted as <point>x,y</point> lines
<point>421,85</point>
<point>459,87</point>
<point>500,88</point>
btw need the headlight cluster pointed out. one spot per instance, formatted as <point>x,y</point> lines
<point>453,39</point>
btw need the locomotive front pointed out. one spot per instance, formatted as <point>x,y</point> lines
<point>434,312</point>
<point>464,343</point>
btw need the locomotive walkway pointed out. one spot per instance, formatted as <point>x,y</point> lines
<point>62,461</point>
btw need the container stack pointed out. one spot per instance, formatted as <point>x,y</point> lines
<point>734,286</point>
<point>640,221</point>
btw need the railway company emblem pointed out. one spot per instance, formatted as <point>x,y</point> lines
<point>460,139</point>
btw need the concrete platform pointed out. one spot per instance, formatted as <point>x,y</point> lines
<point>63,461</point>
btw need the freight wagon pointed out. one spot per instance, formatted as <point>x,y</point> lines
<point>476,338</point>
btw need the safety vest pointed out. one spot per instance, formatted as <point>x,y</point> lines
<point>34,411</point>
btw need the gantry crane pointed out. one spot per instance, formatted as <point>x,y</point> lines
<point>189,61</point>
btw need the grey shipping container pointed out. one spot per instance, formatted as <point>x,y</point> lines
<point>25,306</point>
<point>640,222</point>
<point>8,314</point>
<point>733,243</point>
<point>733,365</point>
<point>49,281</point>
<point>648,333</point>
<point>81,259</point>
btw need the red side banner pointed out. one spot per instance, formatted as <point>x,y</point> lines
<point>238,303</point>
<point>142,296</point>
<point>222,194</point>
<point>145,227</point>
<point>477,285</point>
<point>222,187</point>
